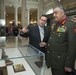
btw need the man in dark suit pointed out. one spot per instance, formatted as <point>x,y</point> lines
<point>61,50</point>
<point>38,34</point>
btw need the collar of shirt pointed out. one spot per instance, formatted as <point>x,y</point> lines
<point>41,28</point>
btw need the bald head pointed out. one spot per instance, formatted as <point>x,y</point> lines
<point>58,14</point>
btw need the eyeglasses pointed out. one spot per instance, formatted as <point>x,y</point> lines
<point>43,20</point>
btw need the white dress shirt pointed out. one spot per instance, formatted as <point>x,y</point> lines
<point>41,29</point>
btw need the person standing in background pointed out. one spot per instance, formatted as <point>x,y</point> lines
<point>61,47</point>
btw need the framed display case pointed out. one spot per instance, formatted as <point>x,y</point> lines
<point>21,60</point>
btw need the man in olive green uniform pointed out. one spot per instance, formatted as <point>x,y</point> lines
<point>61,48</point>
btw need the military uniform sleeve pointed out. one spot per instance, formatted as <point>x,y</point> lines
<point>71,50</point>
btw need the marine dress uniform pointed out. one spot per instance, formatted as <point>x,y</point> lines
<point>61,48</point>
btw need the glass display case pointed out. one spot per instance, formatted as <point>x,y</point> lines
<point>17,57</point>
<point>20,59</point>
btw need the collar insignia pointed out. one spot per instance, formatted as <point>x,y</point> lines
<point>63,22</point>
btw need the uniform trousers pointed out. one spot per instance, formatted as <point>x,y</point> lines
<point>58,71</point>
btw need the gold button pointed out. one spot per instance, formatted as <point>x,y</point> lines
<point>50,37</point>
<point>47,51</point>
<point>48,44</point>
<point>58,56</point>
<point>59,35</point>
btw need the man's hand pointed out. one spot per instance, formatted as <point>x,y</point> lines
<point>42,44</point>
<point>67,69</point>
<point>25,30</point>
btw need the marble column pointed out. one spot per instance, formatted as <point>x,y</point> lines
<point>2,23</point>
<point>16,23</point>
<point>2,9</point>
<point>24,14</point>
<point>40,9</point>
<point>16,15</point>
<point>28,20</point>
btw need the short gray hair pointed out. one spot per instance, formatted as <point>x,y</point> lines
<point>60,7</point>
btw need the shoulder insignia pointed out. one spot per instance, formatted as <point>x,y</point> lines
<point>63,22</point>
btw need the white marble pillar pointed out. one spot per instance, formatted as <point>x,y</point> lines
<point>2,9</point>
<point>40,9</point>
<point>2,23</point>
<point>28,16</point>
<point>24,14</point>
<point>38,15</point>
<point>16,15</point>
<point>16,23</point>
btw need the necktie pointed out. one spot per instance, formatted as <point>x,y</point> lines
<point>42,33</point>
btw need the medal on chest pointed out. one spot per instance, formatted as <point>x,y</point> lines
<point>61,29</point>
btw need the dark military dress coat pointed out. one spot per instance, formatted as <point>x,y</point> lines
<point>61,48</point>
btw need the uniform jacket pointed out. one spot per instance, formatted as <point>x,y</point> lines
<point>61,48</point>
<point>34,36</point>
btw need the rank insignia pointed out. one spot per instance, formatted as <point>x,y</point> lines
<point>61,29</point>
<point>63,22</point>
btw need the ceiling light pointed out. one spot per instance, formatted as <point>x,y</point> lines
<point>10,22</point>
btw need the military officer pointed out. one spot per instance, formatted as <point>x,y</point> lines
<point>61,48</point>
